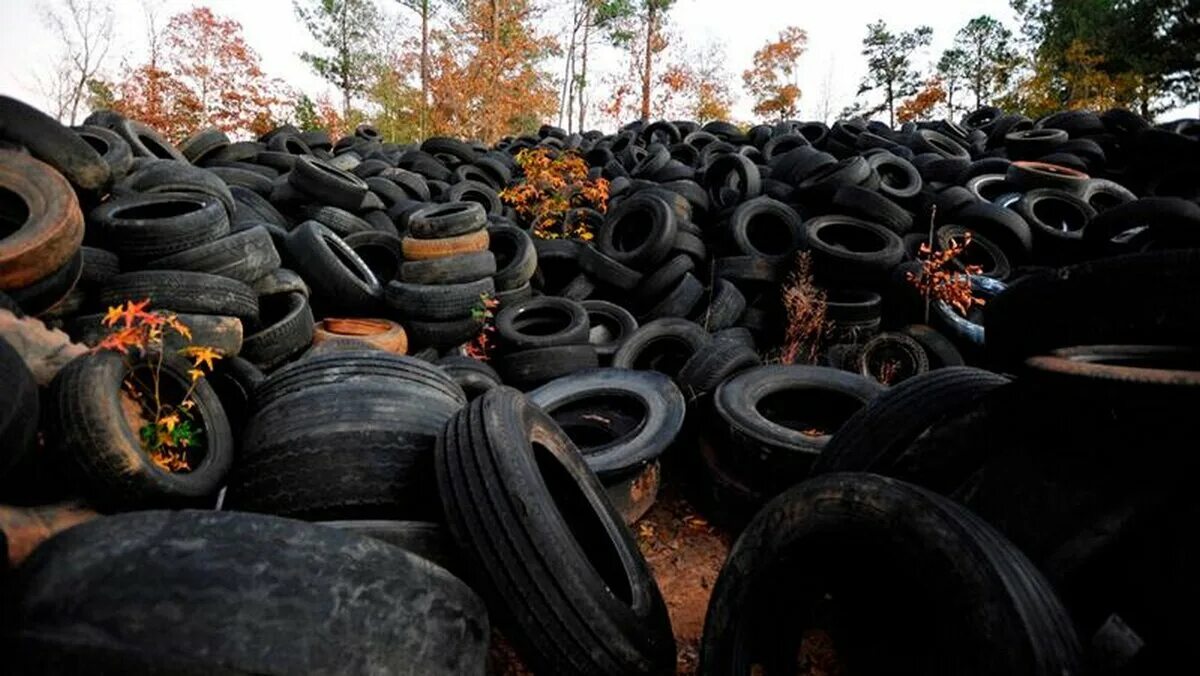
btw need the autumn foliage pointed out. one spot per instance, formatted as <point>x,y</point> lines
<point>553,184</point>
<point>772,79</point>
<point>139,334</point>
<point>804,307</point>
<point>484,312</point>
<point>921,106</point>
<point>938,280</point>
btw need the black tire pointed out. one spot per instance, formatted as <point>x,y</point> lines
<point>327,183</point>
<point>527,369</point>
<point>852,315</point>
<point>1102,194</point>
<point>767,229</point>
<point>851,252</point>
<point>569,532</point>
<point>875,437</point>
<point>1003,226</point>
<point>343,602</point>
<point>660,282</point>
<point>426,539</point>
<point>474,191</point>
<point>776,420</point>
<point>1130,227</point>
<point>234,380</point>
<point>985,253</point>
<point>19,407</point>
<point>869,205</point>
<point>679,302</point>
<point>280,281</point>
<point>339,279</point>
<point>381,251</point>
<point>193,292</point>
<point>1030,144</point>
<point>607,271</point>
<point>748,270</point>
<point>287,330</point>
<point>442,335</point>
<point>898,178</point>
<point>724,307</point>
<point>99,266</point>
<point>449,219</point>
<point>341,222</point>
<point>719,178</point>
<point>246,255</point>
<point>139,228</point>
<point>663,345</point>
<point>820,186</point>
<point>609,325</point>
<point>516,258</point>
<point>199,145</point>
<point>437,302</point>
<point>941,352</point>
<point>473,376</point>
<point>246,178</point>
<point>225,334</point>
<point>113,149</point>
<point>1025,176</point>
<point>1074,306</point>
<point>252,209</point>
<point>146,142</point>
<point>542,322</point>
<point>165,176</point>
<point>45,293</point>
<point>620,420</point>
<point>370,419</point>
<point>91,432</point>
<point>715,364</point>
<point>471,267</point>
<point>1057,220</point>
<point>54,144</point>
<point>639,232</point>
<point>809,560</point>
<point>891,358</point>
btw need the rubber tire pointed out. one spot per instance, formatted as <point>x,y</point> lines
<point>473,376</point>
<point>570,323</point>
<point>288,331</point>
<point>19,410</point>
<point>52,230</point>
<point>342,602</point>
<point>136,239</point>
<point>246,255</point>
<point>327,183</point>
<point>845,524</point>
<point>836,265</point>
<point>54,144</point>
<point>487,467</point>
<point>726,305</point>
<point>427,249</point>
<point>449,219</point>
<point>708,368</point>
<point>527,369</point>
<point>663,345</point>
<point>381,251</point>
<point>466,268</point>
<point>598,329</point>
<point>192,292</point>
<point>339,279</point>
<point>654,220</point>
<point>516,258</point>
<point>437,302</point>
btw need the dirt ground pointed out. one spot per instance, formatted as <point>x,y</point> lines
<point>685,553</point>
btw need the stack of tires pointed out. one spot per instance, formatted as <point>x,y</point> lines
<point>446,277</point>
<point>540,339</point>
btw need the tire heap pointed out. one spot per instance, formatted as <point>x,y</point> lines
<point>1020,468</point>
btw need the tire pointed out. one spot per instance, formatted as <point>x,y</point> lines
<point>620,420</point>
<point>54,144</point>
<point>198,146</point>
<point>44,294</point>
<point>324,584</point>
<point>874,438</point>
<point>165,176</point>
<point>480,193</point>
<point>380,334</point>
<point>19,410</point>
<point>442,302</point>
<point>42,222</point>
<point>280,281</point>
<point>425,539</point>
<point>1026,176</point>
<point>609,325</point>
<point>542,322</point>
<point>869,205</point>
<point>844,524</point>
<point>767,229</point>
<point>747,270</point>
<point>473,376</point>
<point>633,495</point>
<point>877,250</point>
<point>938,348</point>
<point>1129,227</point>
<point>246,178</point>
<point>639,232</point>
<point>891,358</point>
<point>140,228</point>
<point>91,432</point>
<point>191,292</point>
<point>327,183</point>
<point>450,219</point>
<point>467,268</point>
<point>1074,306</point>
<point>486,466</point>
<point>708,368</point>
<point>1031,143</point>
<point>370,419</point>
<point>1057,220</point>
<point>724,308</point>
<point>718,177</point>
<point>527,369</point>
<point>516,258</point>
<point>251,209</point>
<point>339,279</point>
<point>442,335</point>
<point>381,251</point>
<point>990,258</point>
<point>246,255</point>
<point>146,142</point>
<point>930,141</point>
<point>898,178</point>
<point>99,266</point>
<point>680,302</point>
<point>224,334</point>
<point>113,149</point>
<point>777,454</point>
<point>341,222</point>
<point>1003,226</point>
<point>660,282</point>
<point>852,315</point>
<point>287,330</point>
<point>580,288</point>
<point>607,271</point>
<point>663,345</point>
<point>820,186</point>
<point>427,249</point>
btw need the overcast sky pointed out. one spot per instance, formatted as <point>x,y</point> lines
<point>835,31</point>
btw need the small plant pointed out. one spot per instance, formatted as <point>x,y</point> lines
<point>937,282</point>
<point>554,183</point>
<point>480,347</point>
<point>140,333</point>
<point>804,306</point>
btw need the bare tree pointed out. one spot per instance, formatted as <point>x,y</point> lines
<point>85,30</point>
<point>825,98</point>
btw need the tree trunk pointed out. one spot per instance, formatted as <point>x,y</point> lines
<point>587,30</point>
<point>651,12</point>
<point>568,62</point>
<point>891,103</point>
<point>424,68</point>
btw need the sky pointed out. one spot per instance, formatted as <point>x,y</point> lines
<point>833,61</point>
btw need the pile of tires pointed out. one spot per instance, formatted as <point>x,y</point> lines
<point>430,418</point>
